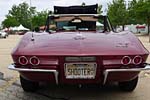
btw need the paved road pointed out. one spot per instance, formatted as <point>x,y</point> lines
<point>10,88</point>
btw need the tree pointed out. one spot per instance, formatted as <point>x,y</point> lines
<point>117,13</point>
<point>10,22</point>
<point>99,10</point>
<point>132,18</point>
<point>143,11</point>
<point>25,15</point>
<point>140,11</point>
<point>21,14</point>
<point>39,19</point>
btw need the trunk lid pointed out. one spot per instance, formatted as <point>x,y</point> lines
<point>82,43</point>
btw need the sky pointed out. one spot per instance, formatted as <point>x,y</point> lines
<point>6,5</point>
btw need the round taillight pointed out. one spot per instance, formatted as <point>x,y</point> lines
<point>34,60</point>
<point>137,60</point>
<point>23,60</point>
<point>126,60</point>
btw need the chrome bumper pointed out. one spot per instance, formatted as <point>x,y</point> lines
<point>12,67</point>
<point>107,71</point>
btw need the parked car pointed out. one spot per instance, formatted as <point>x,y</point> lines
<point>77,53</point>
<point>3,34</point>
<point>21,32</point>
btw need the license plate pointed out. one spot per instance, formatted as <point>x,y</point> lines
<point>80,70</point>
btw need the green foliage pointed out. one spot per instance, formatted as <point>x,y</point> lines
<point>117,12</point>
<point>99,10</point>
<point>39,19</point>
<point>10,22</point>
<point>23,14</point>
<point>141,11</point>
<point>132,19</point>
<point>138,12</point>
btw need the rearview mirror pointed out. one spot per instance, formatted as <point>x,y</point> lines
<point>76,20</point>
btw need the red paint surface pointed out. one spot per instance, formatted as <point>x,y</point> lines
<point>52,48</point>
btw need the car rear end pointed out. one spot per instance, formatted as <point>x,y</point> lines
<point>80,69</point>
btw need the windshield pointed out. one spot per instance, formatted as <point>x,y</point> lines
<point>80,23</point>
<point>69,25</point>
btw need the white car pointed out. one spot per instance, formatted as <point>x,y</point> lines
<point>3,34</point>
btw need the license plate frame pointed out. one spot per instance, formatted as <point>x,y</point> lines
<point>80,70</point>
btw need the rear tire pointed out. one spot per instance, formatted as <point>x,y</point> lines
<point>28,86</point>
<point>128,86</point>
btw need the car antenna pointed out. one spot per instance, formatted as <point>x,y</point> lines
<point>32,38</point>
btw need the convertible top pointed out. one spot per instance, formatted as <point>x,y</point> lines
<point>89,9</point>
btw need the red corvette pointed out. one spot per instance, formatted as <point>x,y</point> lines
<point>82,48</point>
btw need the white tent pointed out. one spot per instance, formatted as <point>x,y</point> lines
<point>20,27</point>
<point>99,24</point>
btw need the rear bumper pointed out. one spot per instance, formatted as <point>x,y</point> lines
<point>108,71</point>
<point>55,72</point>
